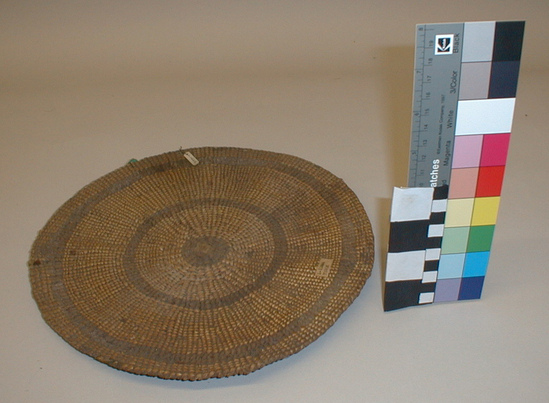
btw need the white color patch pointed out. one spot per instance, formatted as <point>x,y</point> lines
<point>485,116</point>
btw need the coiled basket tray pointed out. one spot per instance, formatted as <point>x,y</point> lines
<point>190,271</point>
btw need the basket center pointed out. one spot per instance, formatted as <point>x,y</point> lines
<point>205,251</point>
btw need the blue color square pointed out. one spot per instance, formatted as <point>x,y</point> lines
<point>451,266</point>
<point>471,287</point>
<point>476,264</point>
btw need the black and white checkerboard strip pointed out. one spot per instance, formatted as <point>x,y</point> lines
<point>415,240</point>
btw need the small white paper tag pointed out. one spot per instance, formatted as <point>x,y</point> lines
<point>191,158</point>
<point>323,267</point>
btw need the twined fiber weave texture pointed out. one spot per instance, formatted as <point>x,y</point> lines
<point>182,271</point>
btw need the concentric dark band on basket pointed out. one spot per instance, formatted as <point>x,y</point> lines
<point>47,267</point>
<point>145,288</point>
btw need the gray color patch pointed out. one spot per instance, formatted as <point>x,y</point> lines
<point>478,41</point>
<point>475,80</point>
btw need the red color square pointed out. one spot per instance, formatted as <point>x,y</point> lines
<point>489,182</point>
<point>494,149</point>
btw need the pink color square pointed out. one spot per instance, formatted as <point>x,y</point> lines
<point>463,183</point>
<point>494,149</point>
<point>467,151</point>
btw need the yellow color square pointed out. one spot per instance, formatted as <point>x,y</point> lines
<point>458,212</point>
<point>485,211</point>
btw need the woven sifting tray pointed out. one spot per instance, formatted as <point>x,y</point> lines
<point>181,271</point>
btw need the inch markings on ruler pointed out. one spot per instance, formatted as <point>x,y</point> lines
<point>436,83</point>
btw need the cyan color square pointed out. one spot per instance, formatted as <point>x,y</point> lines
<point>451,266</point>
<point>476,264</point>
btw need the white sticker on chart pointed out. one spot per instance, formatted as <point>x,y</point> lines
<point>432,254</point>
<point>405,266</point>
<point>435,230</point>
<point>439,206</point>
<point>426,297</point>
<point>411,204</point>
<point>429,277</point>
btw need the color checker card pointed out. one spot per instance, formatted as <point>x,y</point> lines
<point>441,236</point>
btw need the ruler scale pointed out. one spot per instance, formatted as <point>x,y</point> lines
<point>465,82</point>
<point>437,74</point>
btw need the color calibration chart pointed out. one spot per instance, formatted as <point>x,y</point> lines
<point>442,227</point>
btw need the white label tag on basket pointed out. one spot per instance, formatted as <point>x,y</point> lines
<point>191,158</point>
<point>323,267</point>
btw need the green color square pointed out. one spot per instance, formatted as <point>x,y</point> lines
<point>455,240</point>
<point>480,238</point>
